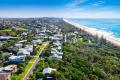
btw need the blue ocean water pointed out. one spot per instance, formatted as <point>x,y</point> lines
<point>108,25</point>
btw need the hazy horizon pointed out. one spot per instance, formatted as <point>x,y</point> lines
<point>61,9</point>
<point>53,17</point>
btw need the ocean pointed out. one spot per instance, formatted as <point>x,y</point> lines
<point>109,26</point>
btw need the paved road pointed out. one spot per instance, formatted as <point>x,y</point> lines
<point>34,64</point>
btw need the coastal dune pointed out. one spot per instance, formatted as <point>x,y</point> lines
<point>96,32</point>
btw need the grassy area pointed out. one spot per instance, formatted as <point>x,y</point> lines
<point>9,30</point>
<point>80,41</point>
<point>29,65</point>
<point>21,29</point>
<point>6,30</point>
<point>90,41</point>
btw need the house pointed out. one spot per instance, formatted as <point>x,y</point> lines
<point>22,41</point>
<point>29,48</point>
<point>76,32</point>
<point>60,53</point>
<point>17,58</point>
<point>1,70</point>
<point>43,30</point>
<point>48,31</point>
<point>57,43</point>
<point>55,56</point>
<point>56,37</point>
<point>37,42</point>
<point>3,38</point>
<point>53,38</point>
<point>48,70</point>
<point>53,51</point>
<point>59,35</point>
<point>18,45</point>
<point>42,35</point>
<point>1,43</point>
<point>7,53</point>
<point>59,48</point>
<point>56,47</point>
<point>72,38</point>
<point>10,68</point>
<point>23,51</point>
<point>5,76</point>
<point>79,36</point>
<point>37,30</point>
<point>24,34</point>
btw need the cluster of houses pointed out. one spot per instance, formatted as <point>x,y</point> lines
<point>20,56</point>
<point>22,53</point>
<point>56,54</point>
<point>51,35</point>
<point>56,51</point>
<point>71,37</point>
<point>44,33</point>
<point>6,71</point>
<point>24,49</point>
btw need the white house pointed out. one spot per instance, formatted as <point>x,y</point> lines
<point>59,36</point>
<point>29,48</point>
<point>42,35</point>
<point>60,53</point>
<point>55,56</point>
<point>57,43</point>
<point>18,45</point>
<point>56,47</point>
<point>1,69</point>
<point>53,38</point>
<point>76,32</point>
<point>23,51</point>
<point>10,68</point>
<point>17,58</point>
<point>48,70</point>
<point>7,53</point>
<point>37,42</point>
<point>53,51</point>
<point>22,41</point>
<point>24,34</point>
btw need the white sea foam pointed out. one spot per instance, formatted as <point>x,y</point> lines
<point>104,28</point>
<point>110,36</point>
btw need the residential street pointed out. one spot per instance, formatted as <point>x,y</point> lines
<point>34,63</point>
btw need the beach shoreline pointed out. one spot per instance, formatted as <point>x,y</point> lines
<point>95,32</point>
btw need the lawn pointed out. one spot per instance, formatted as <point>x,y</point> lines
<point>30,63</point>
<point>10,30</point>
<point>80,41</point>
<point>6,30</point>
<point>21,29</point>
<point>90,42</point>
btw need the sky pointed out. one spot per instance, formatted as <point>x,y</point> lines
<point>60,8</point>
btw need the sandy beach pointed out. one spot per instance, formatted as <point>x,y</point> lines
<point>95,32</point>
